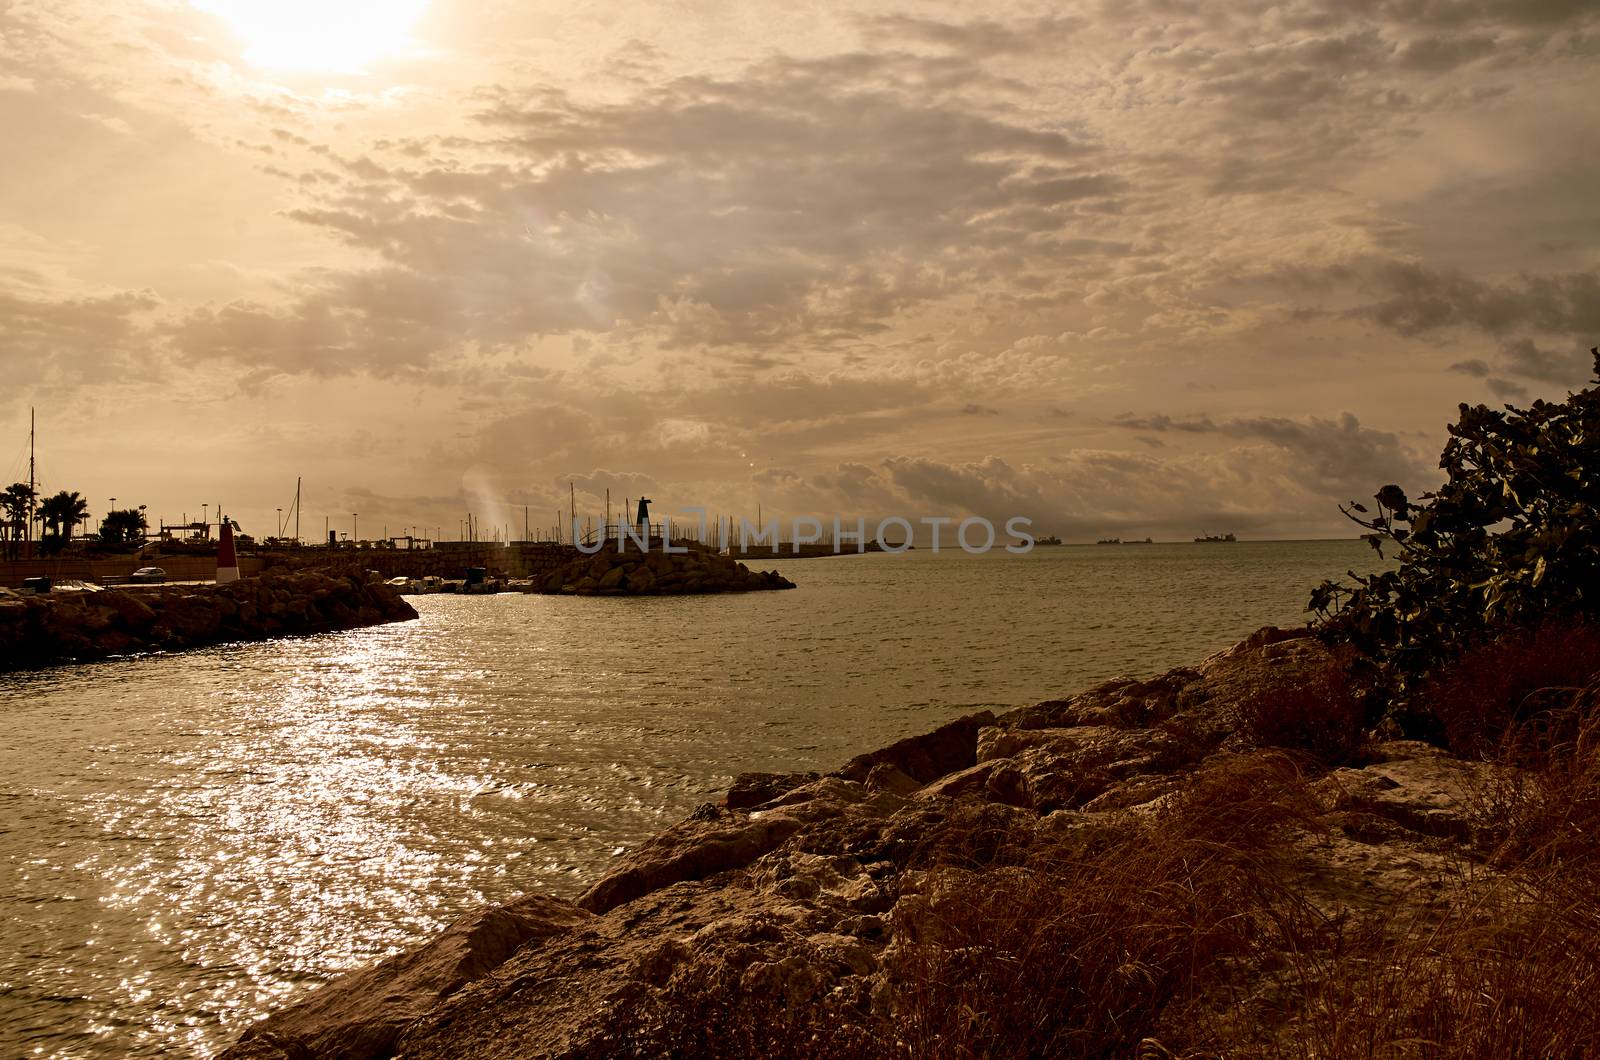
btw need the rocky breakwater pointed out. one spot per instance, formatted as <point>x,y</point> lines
<point>630,572</point>
<point>59,627</point>
<point>1137,869</point>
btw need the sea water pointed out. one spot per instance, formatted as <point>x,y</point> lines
<point>188,841</point>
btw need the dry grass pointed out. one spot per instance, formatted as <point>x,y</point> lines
<point>1503,684</point>
<point>1316,715</point>
<point>1510,967</point>
<point>1093,941</point>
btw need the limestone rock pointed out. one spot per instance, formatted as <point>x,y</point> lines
<point>1429,793</point>
<point>361,1015</point>
<point>924,758</point>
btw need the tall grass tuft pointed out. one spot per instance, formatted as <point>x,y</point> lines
<point>1094,940</point>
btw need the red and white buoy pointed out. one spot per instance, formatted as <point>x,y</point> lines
<point>227,559</point>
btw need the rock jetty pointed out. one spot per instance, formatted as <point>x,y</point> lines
<point>630,572</point>
<point>1130,869</point>
<point>60,627</point>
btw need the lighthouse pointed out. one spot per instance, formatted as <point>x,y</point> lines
<point>227,559</point>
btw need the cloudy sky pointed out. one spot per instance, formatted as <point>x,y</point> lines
<point>1132,266</point>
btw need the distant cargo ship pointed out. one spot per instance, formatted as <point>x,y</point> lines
<point>1051,540</point>
<point>1209,538</point>
<point>1119,541</point>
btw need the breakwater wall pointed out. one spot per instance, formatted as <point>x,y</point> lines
<point>97,570</point>
<point>634,573</point>
<point>62,627</point>
<point>520,559</point>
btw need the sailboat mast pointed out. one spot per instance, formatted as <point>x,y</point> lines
<point>297,509</point>
<point>32,486</point>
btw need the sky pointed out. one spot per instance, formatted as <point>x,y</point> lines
<point>1143,267</point>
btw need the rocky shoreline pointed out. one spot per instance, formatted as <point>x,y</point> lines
<point>847,913</point>
<point>53,628</point>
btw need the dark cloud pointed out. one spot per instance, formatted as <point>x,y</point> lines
<point>383,323</point>
<point>980,38</point>
<point>1445,52</point>
<point>1336,456</point>
<point>1420,299</point>
<point>806,198</point>
<point>73,339</point>
<point>1506,388</point>
<point>1523,357</point>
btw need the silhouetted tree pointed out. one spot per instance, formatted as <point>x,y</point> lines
<point>124,526</point>
<point>61,514</point>
<point>14,504</point>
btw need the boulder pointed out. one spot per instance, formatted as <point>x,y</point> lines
<point>360,1016</point>
<point>925,758</point>
<point>1416,787</point>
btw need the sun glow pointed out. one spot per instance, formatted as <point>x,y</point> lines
<point>336,36</point>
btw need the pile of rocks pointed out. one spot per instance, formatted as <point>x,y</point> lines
<point>60,627</point>
<point>630,572</point>
<point>805,889</point>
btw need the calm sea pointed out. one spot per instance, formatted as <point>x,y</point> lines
<point>187,841</point>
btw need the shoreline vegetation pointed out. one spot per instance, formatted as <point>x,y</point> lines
<point>1372,836</point>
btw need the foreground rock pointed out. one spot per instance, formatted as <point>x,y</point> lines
<point>657,573</point>
<point>60,627</point>
<point>813,914</point>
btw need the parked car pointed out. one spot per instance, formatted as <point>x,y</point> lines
<point>148,574</point>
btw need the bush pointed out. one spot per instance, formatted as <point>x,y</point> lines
<point>1509,542</point>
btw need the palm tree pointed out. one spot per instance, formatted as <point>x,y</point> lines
<point>15,501</point>
<point>124,526</point>
<point>61,514</point>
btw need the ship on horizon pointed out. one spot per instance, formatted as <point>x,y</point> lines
<point>1210,538</point>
